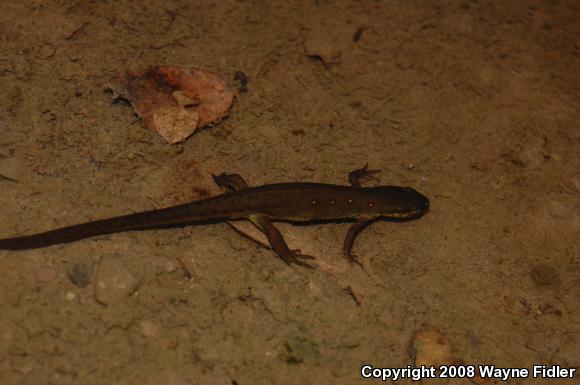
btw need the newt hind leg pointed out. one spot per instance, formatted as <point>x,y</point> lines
<point>278,243</point>
<point>235,182</point>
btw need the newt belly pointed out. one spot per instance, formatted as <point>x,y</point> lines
<point>293,202</point>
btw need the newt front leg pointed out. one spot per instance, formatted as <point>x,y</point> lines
<point>354,178</point>
<point>353,231</point>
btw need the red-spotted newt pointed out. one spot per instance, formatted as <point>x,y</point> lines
<point>290,202</point>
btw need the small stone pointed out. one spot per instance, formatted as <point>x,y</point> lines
<point>6,331</point>
<point>545,275</point>
<point>81,274</point>
<point>114,282</point>
<point>575,183</point>
<point>170,266</point>
<point>23,365</point>
<point>326,40</point>
<point>45,274</point>
<point>560,210</point>
<point>70,296</point>
<point>11,168</point>
<point>430,347</point>
<point>148,328</point>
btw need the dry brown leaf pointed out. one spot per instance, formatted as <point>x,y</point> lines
<point>175,101</point>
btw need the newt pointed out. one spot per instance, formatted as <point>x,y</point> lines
<point>286,202</point>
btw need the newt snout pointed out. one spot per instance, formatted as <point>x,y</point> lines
<point>400,202</point>
<point>419,204</point>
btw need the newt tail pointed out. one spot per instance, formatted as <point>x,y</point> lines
<point>147,220</point>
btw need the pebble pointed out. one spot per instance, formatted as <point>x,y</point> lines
<point>430,347</point>
<point>81,274</point>
<point>69,296</point>
<point>45,274</point>
<point>560,210</point>
<point>6,331</point>
<point>575,183</point>
<point>148,328</point>
<point>170,266</point>
<point>114,281</point>
<point>318,43</point>
<point>11,168</point>
<point>544,274</point>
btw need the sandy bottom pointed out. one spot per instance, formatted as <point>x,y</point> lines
<point>473,103</point>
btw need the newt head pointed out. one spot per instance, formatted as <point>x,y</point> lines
<point>399,202</point>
